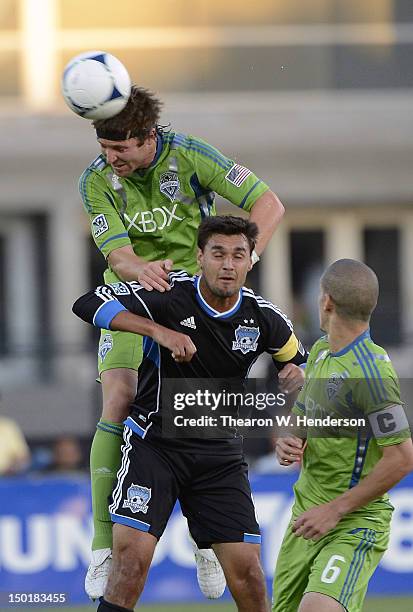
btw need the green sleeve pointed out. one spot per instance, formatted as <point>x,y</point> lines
<point>380,397</point>
<point>371,394</point>
<point>107,228</point>
<point>224,176</point>
<point>391,440</point>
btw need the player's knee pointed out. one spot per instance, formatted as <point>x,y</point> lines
<point>132,551</point>
<point>116,409</point>
<point>318,602</point>
<point>255,577</point>
<point>250,578</point>
<point>128,563</point>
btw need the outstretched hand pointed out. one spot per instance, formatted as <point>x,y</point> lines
<point>154,275</point>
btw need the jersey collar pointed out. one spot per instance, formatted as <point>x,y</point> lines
<point>364,336</point>
<point>216,314</point>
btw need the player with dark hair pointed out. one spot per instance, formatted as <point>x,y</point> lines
<point>341,516</point>
<point>227,225</point>
<point>226,328</point>
<point>146,196</point>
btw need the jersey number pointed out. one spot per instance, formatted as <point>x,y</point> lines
<point>331,572</point>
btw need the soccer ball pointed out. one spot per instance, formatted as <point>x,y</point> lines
<point>96,85</point>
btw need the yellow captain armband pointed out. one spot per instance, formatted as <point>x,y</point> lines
<point>289,350</point>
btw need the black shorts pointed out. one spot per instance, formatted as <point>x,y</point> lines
<point>213,491</point>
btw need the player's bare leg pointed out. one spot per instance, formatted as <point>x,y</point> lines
<point>318,602</point>
<point>132,555</point>
<point>242,567</point>
<point>118,390</point>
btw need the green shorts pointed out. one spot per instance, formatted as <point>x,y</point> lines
<point>119,350</point>
<point>339,565</point>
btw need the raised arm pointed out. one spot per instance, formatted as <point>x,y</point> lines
<point>103,308</point>
<point>240,186</point>
<point>267,213</point>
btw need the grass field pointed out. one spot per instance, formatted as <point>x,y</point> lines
<point>379,604</point>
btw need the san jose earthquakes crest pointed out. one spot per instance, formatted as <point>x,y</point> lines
<point>138,499</point>
<point>246,339</point>
<point>169,184</point>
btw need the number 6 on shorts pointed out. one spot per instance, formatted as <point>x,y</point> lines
<point>331,572</point>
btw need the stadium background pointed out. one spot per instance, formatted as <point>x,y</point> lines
<point>315,96</point>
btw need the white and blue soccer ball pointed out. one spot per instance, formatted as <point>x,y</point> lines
<point>96,85</point>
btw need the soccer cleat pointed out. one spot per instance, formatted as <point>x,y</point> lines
<point>211,578</point>
<point>98,572</point>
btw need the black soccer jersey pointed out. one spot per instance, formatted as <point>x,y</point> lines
<point>228,343</point>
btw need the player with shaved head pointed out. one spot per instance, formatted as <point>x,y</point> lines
<point>340,522</point>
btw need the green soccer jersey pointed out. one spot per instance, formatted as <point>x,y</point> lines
<point>358,382</point>
<point>158,210</point>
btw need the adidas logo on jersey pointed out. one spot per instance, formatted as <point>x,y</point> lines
<point>189,322</point>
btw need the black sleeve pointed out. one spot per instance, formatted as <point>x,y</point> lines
<point>281,341</point>
<point>102,304</point>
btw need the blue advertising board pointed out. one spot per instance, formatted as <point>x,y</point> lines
<point>45,533</point>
